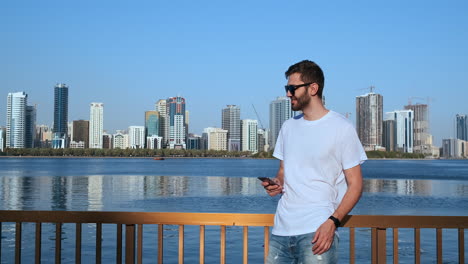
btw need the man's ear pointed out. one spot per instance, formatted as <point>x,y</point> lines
<point>313,89</point>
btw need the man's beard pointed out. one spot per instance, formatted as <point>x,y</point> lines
<point>301,103</point>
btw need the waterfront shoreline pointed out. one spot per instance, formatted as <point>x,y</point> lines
<point>109,157</point>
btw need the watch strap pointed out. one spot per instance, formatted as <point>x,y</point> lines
<point>335,220</point>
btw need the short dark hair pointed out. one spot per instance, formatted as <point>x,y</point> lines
<point>310,73</point>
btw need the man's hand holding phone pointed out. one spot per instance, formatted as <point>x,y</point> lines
<point>272,186</point>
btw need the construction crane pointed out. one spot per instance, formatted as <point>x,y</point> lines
<point>370,88</point>
<point>258,117</point>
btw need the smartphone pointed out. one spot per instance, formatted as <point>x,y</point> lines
<point>266,179</point>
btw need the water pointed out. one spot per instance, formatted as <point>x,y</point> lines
<point>391,187</point>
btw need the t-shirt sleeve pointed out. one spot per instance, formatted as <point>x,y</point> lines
<point>278,153</point>
<point>352,153</point>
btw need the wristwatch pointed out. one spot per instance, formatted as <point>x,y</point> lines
<point>335,220</point>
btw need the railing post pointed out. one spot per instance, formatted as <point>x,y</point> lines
<point>379,243</point>
<point>18,243</point>
<point>129,244</point>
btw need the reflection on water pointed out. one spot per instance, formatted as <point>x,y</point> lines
<point>99,192</point>
<point>96,193</point>
<point>410,188</point>
<point>417,187</point>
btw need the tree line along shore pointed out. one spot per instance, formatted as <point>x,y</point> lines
<point>187,153</point>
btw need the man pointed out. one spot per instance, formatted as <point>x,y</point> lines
<point>319,175</point>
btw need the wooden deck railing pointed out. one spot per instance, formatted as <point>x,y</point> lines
<point>134,222</point>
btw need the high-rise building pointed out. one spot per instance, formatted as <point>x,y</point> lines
<point>136,137</point>
<point>30,136</point>
<point>163,120</point>
<point>422,137</point>
<point>96,125</point>
<point>249,141</point>
<point>369,120</point>
<point>261,139</point>
<point>16,120</point>
<point>389,135</point>
<point>70,131</point>
<point>176,121</point>
<point>454,148</point>
<point>230,121</point>
<point>187,120</point>
<point>60,133</point>
<point>81,132</point>
<point>214,138</point>
<point>120,140</point>
<point>404,121</point>
<point>106,141</point>
<point>2,139</point>
<point>280,111</point>
<point>151,123</point>
<point>462,127</point>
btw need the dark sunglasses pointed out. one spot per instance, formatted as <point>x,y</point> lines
<point>292,88</point>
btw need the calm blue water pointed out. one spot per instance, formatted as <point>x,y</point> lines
<point>392,187</point>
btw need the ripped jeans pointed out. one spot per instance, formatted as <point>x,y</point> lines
<point>298,250</point>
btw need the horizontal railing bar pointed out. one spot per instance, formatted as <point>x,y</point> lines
<point>381,221</point>
<point>138,218</point>
<point>405,221</point>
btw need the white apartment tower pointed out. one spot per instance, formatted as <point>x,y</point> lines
<point>249,137</point>
<point>96,125</point>
<point>16,120</point>
<point>404,122</point>
<point>280,111</point>
<point>136,137</point>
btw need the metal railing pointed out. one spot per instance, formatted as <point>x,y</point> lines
<point>133,223</point>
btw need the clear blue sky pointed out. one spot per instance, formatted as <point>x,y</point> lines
<point>129,54</point>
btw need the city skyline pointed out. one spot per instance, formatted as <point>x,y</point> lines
<point>233,53</point>
<point>31,110</point>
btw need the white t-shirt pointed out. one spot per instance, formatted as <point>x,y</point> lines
<point>314,155</point>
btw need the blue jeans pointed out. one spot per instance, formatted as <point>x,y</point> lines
<point>298,250</point>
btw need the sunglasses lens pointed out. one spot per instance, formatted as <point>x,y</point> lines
<point>290,88</point>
